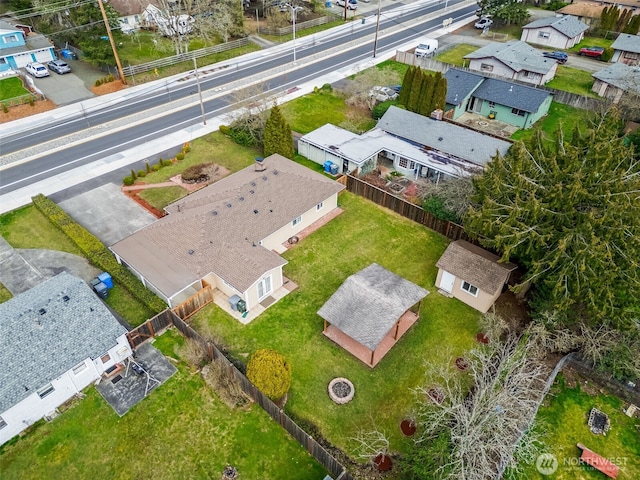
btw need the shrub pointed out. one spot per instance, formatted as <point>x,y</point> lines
<point>193,353</point>
<point>133,174</point>
<point>94,250</point>
<point>147,167</point>
<point>435,206</point>
<point>98,82</point>
<point>156,167</point>
<point>31,101</point>
<point>217,376</point>
<point>186,148</point>
<point>327,87</point>
<point>225,130</point>
<point>196,173</point>
<point>607,54</point>
<point>128,181</point>
<point>5,109</point>
<point>180,156</point>
<point>380,109</point>
<point>141,173</point>
<point>165,163</point>
<point>242,137</point>
<point>270,372</point>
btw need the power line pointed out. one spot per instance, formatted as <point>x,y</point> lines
<point>49,8</point>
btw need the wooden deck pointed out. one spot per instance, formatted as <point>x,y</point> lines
<point>361,352</point>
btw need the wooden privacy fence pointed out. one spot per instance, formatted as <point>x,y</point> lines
<point>154,326</point>
<point>194,303</point>
<point>409,210</point>
<point>184,57</point>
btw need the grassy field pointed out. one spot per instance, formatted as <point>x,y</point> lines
<point>319,264</point>
<point>11,87</point>
<point>573,80</point>
<point>564,420</point>
<point>592,42</point>
<point>455,55</point>
<point>182,430</point>
<point>559,114</point>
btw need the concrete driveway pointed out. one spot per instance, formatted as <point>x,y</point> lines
<point>63,89</point>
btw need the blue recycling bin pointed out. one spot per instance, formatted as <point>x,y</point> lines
<point>327,166</point>
<point>328,4</point>
<point>68,54</point>
<point>106,279</point>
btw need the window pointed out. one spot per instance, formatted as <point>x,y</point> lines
<point>543,34</point>
<point>467,287</point>
<point>11,39</point>
<point>485,67</point>
<point>520,113</point>
<point>264,287</point>
<point>320,206</point>
<point>296,221</point>
<point>412,165</point>
<point>46,390</point>
<point>79,368</point>
<point>105,358</point>
<point>3,61</point>
<point>2,423</point>
<point>403,163</point>
<point>492,104</point>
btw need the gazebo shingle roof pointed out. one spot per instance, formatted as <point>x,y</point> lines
<point>369,303</point>
<point>475,265</point>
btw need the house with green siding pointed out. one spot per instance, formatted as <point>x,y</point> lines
<point>508,102</point>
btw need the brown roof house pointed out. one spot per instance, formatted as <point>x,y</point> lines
<point>472,274</point>
<point>587,12</point>
<point>228,235</point>
<point>370,311</point>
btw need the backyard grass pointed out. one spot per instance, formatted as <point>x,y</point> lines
<point>573,80</point>
<point>11,88</point>
<point>144,46</point>
<point>311,111</point>
<point>181,430</point>
<point>592,42</point>
<point>4,294</point>
<point>564,416</point>
<point>162,196</point>
<point>400,68</point>
<point>364,233</point>
<point>455,55</point>
<point>559,114</point>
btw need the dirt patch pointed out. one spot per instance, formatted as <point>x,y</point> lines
<point>26,110</point>
<point>110,87</point>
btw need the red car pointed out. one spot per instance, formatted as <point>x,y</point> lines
<point>595,52</point>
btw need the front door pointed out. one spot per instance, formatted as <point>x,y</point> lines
<point>446,282</point>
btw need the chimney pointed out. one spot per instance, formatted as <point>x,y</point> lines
<point>437,114</point>
<point>260,165</point>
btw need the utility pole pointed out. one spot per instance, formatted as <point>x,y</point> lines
<point>195,65</point>
<point>113,45</point>
<point>375,41</point>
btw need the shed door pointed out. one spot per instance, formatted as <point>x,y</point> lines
<point>446,282</point>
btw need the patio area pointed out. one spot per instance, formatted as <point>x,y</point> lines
<point>486,125</point>
<point>125,389</point>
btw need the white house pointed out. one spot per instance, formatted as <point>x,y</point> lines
<point>57,338</point>
<point>556,32</point>
<point>229,234</point>
<point>617,80</point>
<point>516,60</point>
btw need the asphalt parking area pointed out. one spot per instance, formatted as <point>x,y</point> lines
<point>63,89</point>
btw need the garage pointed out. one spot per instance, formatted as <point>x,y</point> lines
<point>44,55</point>
<point>22,59</point>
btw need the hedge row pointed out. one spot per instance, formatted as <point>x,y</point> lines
<point>97,253</point>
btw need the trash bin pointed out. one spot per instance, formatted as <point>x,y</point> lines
<point>68,54</point>
<point>327,166</point>
<point>334,169</point>
<point>101,289</point>
<point>234,301</point>
<point>106,279</point>
<point>363,20</point>
<point>328,4</point>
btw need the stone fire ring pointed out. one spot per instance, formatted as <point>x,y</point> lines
<point>341,390</point>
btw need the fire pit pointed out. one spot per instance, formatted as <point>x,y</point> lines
<point>341,390</point>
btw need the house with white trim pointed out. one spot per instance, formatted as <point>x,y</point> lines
<point>16,49</point>
<point>626,49</point>
<point>229,235</point>
<point>556,32</point>
<point>516,60</point>
<point>616,81</point>
<point>56,339</point>
<point>418,146</point>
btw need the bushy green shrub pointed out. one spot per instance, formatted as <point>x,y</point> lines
<point>186,148</point>
<point>96,252</point>
<point>607,54</point>
<point>327,87</point>
<point>165,163</point>
<point>5,109</point>
<point>270,372</point>
<point>435,206</point>
<point>380,109</point>
<point>32,102</point>
<point>141,173</point>
<point>180,156</point>
<point>156,167</point>
<point>242,138</point>
<point>127,181</point>
<point>98,82</point>
<point>225,130</point>
<point>110,78</point>
<point>147,167</point>
<point>133,174</point>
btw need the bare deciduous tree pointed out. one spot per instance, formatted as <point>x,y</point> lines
<point>488,425</point>
<point>357,90</point>
<point>251,112</point>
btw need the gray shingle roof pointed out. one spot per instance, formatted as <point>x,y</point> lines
<point>37,348</point>
<point>461,83</point>
<point>567,25</point>
<point>621,76</point>
<point>369,303</point>
<point>443,136</point>
<point>475,265</point>
<point>517,55</point>
<point>502,92</point>
<point>627,43</point>
<point>218,228</point>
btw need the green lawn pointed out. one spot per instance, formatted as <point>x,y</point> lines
<point>363,234</point>
<point>559,114</point>
<point>592,42</point>
<point>564,416</point>
<point>455,55</point>
<point>182,430</point>
<point>573,80</point>
<point>11,88</point>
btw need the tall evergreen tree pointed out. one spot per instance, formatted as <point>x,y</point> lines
<point>440,95</point>
<point>633,26</point>
<point>426,95</point>
<point>407,81</point>
<point>413,103</point>
<point>277,135</point>
<point>571,216</point>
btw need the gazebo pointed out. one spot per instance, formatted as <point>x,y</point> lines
<point>370,311</point>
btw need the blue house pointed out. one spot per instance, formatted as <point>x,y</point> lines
<point>16,50</point>
<point>509,102</point>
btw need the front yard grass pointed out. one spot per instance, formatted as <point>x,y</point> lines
<point>11,88</point>
<point>564,420</point>
<point>573,80</point>
<point>559,114</point>
<point>455,55</point>
<point>364,233</point>
<point>592,42</point>
<point>181,430</point>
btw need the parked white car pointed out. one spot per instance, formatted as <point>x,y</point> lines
<point>484,22</point>
<point>352,5</point>
<point>36,69</point>
<point>382,94</point>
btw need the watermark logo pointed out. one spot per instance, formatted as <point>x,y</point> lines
<point>547,463</point>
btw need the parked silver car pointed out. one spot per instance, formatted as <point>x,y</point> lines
<point>36,69</point>
<point>59,66</point>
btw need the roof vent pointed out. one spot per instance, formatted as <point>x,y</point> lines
<point>255,211</point>
<point>228,205</point>
<point>264,177</point>
<point>276,172</point>
<point>65,298</point>
<point>253,184</point>
<point>191,252</point>
<point>241,199</point>
<point>42,311</point>
<point>440,139</point>
<point>252,192</point>
<point>214,213</point>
